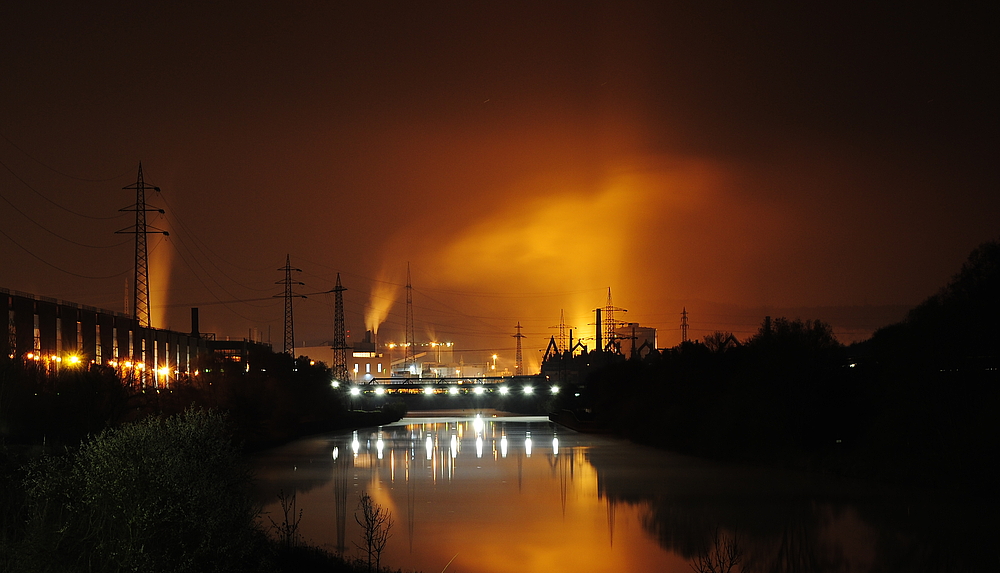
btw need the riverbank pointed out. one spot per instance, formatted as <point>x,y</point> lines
<point>579,422</point>
<point>91,508</point>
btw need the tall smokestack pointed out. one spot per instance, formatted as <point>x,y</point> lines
<point>599,345</point>
<point>194,322</point>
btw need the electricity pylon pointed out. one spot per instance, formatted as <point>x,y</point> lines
<point>140,285</point>
<point>518,362</point>
<point>289,341</point>
<point>610,324</point>
<point>561,337</point>
<point>410,359</point>
<point>339,335</point>
<point>684,325</point>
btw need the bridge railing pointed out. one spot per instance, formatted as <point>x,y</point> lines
<point>449,381</point>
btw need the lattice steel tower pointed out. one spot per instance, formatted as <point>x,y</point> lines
<point>140,285</point>
<point>561,337</point>
<point>410,359</point>
<point>684,325</point>
<point>339,335</point>
<point>518,362</point>
<point>289,339</point>
<point>610,324</point>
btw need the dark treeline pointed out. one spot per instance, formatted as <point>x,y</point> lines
<point>916,403</point>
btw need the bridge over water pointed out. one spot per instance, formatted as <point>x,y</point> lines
<point>457,386</point>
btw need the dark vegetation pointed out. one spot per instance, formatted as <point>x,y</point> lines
<point>98,475</point>
<point>160,494</point>
<point>914,404</point>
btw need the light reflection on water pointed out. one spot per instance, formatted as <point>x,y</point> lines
<point>520,494</point>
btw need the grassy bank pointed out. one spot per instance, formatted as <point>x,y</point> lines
<point>162,494</point>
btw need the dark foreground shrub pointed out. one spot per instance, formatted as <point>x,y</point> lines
<point>156,495</point>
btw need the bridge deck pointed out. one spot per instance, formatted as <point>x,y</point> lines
<point>454,386</point>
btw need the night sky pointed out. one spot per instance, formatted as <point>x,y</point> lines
<point>822,162</point>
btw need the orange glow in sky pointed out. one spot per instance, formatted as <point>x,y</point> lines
<point>523,159</point>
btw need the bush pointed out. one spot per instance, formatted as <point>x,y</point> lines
<point>161,494</point>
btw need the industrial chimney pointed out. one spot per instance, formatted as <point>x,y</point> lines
<point>194,322</point>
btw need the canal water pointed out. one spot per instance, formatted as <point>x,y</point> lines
<point>485,492</point>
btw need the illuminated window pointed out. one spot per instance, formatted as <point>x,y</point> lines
<point>368,368</point>
<point>379,367</point>
<point>356,369</point>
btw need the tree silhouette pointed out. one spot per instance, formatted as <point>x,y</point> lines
<point>376,522</point>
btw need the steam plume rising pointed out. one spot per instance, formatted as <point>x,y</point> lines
<point>160,264</point>
<point>383,296</point>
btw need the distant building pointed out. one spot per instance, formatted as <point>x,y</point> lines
<point>429,360</point>
<point>371,359</point>
<point>49,334</point>
<point>364,362</point>
<point>364,366</point>
<point>237,350</point>
<point>635,338</point>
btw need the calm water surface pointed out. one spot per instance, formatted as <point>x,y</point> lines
<point>519,494</point>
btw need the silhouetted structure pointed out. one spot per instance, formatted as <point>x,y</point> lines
<point>140,290</point>
<point>642,340</point>
<point>340,347</point>
<point>551,350</point>
<point>684,325</point>
<point>289,338</point>
<point>410,359</point>
<point>518,359</point>
<point>561,338</point>
<point>611,325</point>
<point>51,334</point>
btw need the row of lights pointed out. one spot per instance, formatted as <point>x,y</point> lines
<point>162,371</point>
<point>431,344</point>
<point>429,390</point>
<point>429,444</point>
<point>74,360</point>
